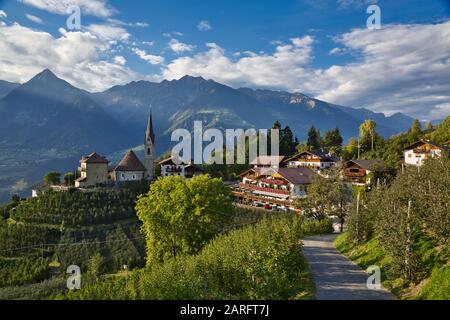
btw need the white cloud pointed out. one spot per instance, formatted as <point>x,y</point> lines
<point>279,70</point>
<point>403,68</point>
<point>120,60</point>
<point>152,59</point>
<point>337,51</point>
<point>34,18</point>
<point>3,14</point>
<point>140,24</point>
<point>73,56</point>
<point>149,43</point>
<point>172,34</point>
<point>128,24</point>
<point>355,3</point>
<point>179,47</point>
<point>98,8</point>
<point>204,26</point>
<point>400,68</point>
<point>108,32</point>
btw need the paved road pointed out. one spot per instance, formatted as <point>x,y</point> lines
<point>336,277</point>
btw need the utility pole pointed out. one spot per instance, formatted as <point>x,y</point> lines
<point>357,215</point>
<point>408,242</point>
<point>359,149</point>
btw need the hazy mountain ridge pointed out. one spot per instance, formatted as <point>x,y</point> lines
<point>244,107</point>
<point>6,87</point>
<point>47,123</point>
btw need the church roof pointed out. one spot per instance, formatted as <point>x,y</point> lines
<point>94,158</point>
<point>130,162</point>
<point>149,132</point>
<point>169,161</point>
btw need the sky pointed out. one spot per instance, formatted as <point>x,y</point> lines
<point>322,48</point>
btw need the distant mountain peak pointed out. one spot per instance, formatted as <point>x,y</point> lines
<point>46,74</point>
<point>189,78</point>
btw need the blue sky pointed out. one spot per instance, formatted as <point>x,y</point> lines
<point>321,48</point>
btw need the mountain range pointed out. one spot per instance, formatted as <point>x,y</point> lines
<point>48,121</point>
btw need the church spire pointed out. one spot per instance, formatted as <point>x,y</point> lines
<point>149,134</point>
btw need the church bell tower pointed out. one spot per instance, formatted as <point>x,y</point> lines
<point>149,148</point>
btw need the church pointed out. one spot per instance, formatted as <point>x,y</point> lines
<point>94,169</point>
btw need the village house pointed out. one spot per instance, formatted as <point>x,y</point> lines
<point>93,170</point>
<point>184,170</point>
<point>273,162</point>
<point>360,172</point>
<point>270,186</point>
<point>317,160</point>
<point>130,168</point>
<point>417,153</point>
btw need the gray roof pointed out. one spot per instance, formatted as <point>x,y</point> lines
<point>373,164</point>
<point>297,175</point>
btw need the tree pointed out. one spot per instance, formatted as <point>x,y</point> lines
<point>428,126</point>
<point>441,134</point>
<point>69,178</point>
<point>95,266</point>
<point>52,178</point>
<point>287,142</point>
<point>366,131</point>
<point>314,140</point>
<point>302,147</point>
<point>350,151</point>
<point>15,198</point>
<point>416,130</point>
<point>333,138</point>
<point>181,216</point>
<point>327,197</point>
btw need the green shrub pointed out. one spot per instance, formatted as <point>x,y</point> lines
<point>255,262</point>
<point>437,286</point>
<point>18,271</point>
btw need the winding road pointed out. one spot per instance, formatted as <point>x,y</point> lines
<point>335,276</point>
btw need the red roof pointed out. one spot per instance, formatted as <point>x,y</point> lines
<point>131,163</point>
<point>94,158</point>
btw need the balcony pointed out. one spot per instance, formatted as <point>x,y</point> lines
<point>174,170</point>
<point>274,182</point>
<point>359,174</point>
<point>262,189</point>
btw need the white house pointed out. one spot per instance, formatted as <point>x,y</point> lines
<point>420,151</point>
<point>317,160</point>
<point>272,186</point>
<point>185,170</point>
<point>130,169</point>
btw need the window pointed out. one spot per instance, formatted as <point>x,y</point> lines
<point>148,151</point>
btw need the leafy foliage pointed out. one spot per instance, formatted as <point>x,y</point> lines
<point>180,216</point>
<point>256,262</point>
<point>78,208</point>
<point>409,219</point>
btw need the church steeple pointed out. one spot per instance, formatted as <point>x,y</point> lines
<point>149,134</point>
<point>149,147</point>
